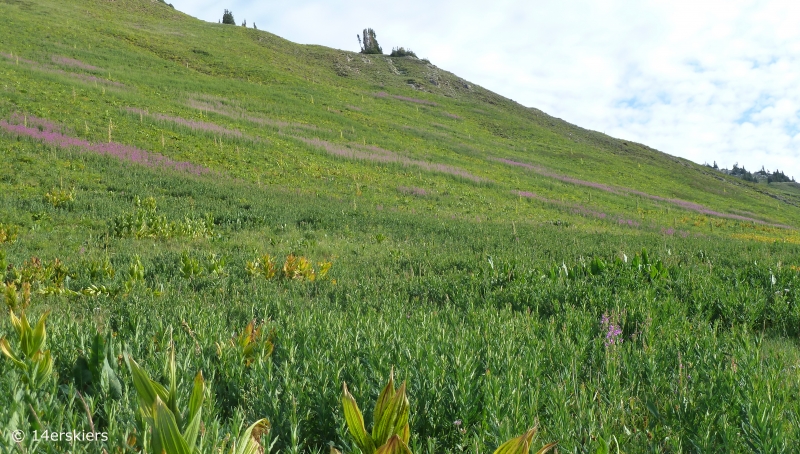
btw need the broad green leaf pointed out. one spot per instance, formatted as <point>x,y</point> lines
<point>250,441</point>
<point>5,347</point>
<point>394,446</point>
<point>81,373</point>
<point>405,434</point>
<point>546,448</point>
<point>394,417</point>
<point>166,430</point>
<point>25,336</point>
<point>196,399</point>
<point>97,355</point>
<point>16,323</point>
<point>172,375</point>
<point>39,334</point>
<point>192,430</point>
<point>383,401</point>
<point>111,380</point>
<point>160,390</point>
<point>44,368</point>
<point>518,445</point>
<point>144,385</point>
<point>355,423</point>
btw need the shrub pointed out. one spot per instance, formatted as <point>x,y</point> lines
<point>402,52</point>
<point>227,18</point>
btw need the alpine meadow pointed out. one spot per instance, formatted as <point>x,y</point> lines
<point>214,240</point>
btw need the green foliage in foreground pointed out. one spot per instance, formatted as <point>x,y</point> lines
<point>354,219</point>
<point>490,334</point>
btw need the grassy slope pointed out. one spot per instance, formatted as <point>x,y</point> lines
<point>441,270</point>
<point>165,58</point>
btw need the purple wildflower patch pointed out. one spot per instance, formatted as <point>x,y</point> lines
<point>191,124</point>
<point>383,94</point>
<point>220,108</point>
<point>51,134</point>
<point>377,154</point>
<point>73,62</point>
<point>16,57</point>
<point>622,190</point>
<point>412,191</point>
<point>48,69</point>
<point>612,329</point>
<point>628,222</point>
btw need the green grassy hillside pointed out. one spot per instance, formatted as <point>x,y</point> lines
<point>167,181</point>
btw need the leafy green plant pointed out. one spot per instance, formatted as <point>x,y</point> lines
<point>98,270</point>
<point>652,271</point>
<point>135,274</point>
<point>215,265</point>
<point>146,222</point>
<point>522,444</point>
<point>604,445</point>
<point>60,197</point>
<point>264,266</point>
<point>294,268</point>
<point>98,373</point>
<point>190,266</point>
<point>29,356</point>
<point>8,233</point>
<point>14,300</point>
<point>390,430</point>
<point>251,344</point>
<point>174,431</point>
<point>597,266</point>
<point>298,268</point>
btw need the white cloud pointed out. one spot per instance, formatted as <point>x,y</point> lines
<point>703,80</point>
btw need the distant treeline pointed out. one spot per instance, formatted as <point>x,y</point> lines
<point>755,177</point>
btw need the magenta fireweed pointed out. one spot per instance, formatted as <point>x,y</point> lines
<point>622,190</point>
<point>613,333</point>
<point>48,69</point>
<point>51,134</point>
<point>412,190</point>
<point>191,124</point>
<point>377,154</point>
<point>383,94</point>
<point>218,107</point>
<point>73,62</point>
<point>17,57</point>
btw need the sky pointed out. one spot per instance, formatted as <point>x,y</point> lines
<point>710,81</point>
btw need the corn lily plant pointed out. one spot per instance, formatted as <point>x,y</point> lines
<point>390,430</point>
<point>174,432</point>
<point>30,356</point>
<point>522,444</point>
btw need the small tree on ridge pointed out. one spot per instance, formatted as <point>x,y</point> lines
<point>370,43</point>
<point>227,18</point>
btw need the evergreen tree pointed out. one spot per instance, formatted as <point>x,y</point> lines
<point>370,44</point>
<point>227,18</point>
